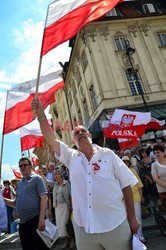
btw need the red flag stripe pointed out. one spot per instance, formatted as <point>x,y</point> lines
<point>21,113</point>
<point>31,141</point>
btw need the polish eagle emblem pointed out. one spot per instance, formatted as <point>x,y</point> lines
<point>127,120</point>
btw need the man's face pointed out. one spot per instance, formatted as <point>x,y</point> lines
<point>25,168</point>
<point>80,134</point>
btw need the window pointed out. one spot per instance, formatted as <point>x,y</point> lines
<point>70,98</point>
<point>86,110</point>
<point>121,43</point>
<point>73,87</point>
<point>84,60</point>
<point>134,83</point>
<point>78,75</point>
<point>113,12</point>
<point>162,39</point>
<point>149,8</point>
<point>93,96</point>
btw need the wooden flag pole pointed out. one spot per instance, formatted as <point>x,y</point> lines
<point>29,154</point>
<point>2,143</point>
<point>40,62</point>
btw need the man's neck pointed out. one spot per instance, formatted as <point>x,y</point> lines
<point>87,149</point>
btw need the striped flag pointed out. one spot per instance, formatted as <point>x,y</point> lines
<point>18,110</point>
<point>66,18</point>
<point>31,136</point>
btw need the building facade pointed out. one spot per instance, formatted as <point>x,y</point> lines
<point>102,74</point>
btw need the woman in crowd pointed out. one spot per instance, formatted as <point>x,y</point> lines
<point>149,190</point>
<point>9,193</point>
<point>159,173</point>
<point>62,204</point>
<point>3,213</point>
<point>137,196</point>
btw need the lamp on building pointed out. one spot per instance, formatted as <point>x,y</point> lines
<point>129,52</point>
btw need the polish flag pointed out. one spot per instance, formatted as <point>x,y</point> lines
<point>155,124</point>
<point>127,124</point>
<point>128,143</point>
<point>31,136</point>
<point>66,18</point>
<point>18,110</point>
<point>34,159</point>
<point>17,174</point>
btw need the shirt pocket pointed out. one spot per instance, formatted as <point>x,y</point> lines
<point>106,170</point>
<point>76,167</point>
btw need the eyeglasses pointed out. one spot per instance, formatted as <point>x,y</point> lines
<point>23,165</point>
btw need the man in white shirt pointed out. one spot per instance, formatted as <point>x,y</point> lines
<point>100,185</point>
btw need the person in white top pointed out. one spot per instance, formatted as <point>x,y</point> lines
<point>100,187</point>
<point>159,173</point>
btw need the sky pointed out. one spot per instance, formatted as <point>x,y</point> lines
<point>21,30</point>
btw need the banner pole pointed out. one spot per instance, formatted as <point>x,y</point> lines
<point>2,143</point>
<point>40,61</point>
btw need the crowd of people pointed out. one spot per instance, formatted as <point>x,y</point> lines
<point>91,193</point>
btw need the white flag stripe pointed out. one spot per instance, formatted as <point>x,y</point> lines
<point>21,92</point>
<point>60,8</point>
<point>32,128</point>
<point>141,117</point>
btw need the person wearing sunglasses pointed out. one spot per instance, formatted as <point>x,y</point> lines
<point>31,205</point>
<point>100,184</point>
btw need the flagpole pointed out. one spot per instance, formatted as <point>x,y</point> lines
<point>40,60</point>
<point>2,143</point>
<point>28,154</point>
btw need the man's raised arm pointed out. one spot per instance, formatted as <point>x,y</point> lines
<point>47,132</point>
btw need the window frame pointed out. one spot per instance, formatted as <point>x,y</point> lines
<point>120,44</point>
<point>147,8</point>
<point>133,83</point>
<point>161,40</point>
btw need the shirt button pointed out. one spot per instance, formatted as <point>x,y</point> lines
<point>89,173</point>
<point>89,181</point>
<point>89,206</point>
<point>89,193</point>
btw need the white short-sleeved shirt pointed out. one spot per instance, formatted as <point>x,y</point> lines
<point>97,196</point>
<point>160,170</point>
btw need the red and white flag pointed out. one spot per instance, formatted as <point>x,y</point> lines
<point>31,136</point>
<point>66,18</point>
<point>155,124</point>
<point>127,124</point>
<point>17,174</point>
<point>34,159</point>
<point>18,111</point>
<point>125,143</point>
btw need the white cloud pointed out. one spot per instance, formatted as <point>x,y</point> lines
<point>7,173</point>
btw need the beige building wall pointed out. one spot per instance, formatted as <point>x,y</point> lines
<point>96,79</point>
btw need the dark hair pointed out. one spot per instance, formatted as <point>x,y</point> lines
<point>6,182</point>
<point>141,151</point>
<point>158,147</point>
<point>25,159</point>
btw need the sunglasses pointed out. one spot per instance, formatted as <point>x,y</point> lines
<point>23,165</point>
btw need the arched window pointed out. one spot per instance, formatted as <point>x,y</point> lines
<point>84,60</point>
<point>149,8</point>
<point>78,75</point>
<point>93,96</point>
<point>162,38</point>
<point>121,43</point>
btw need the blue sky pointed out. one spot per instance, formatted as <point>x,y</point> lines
<point>21,29</point>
